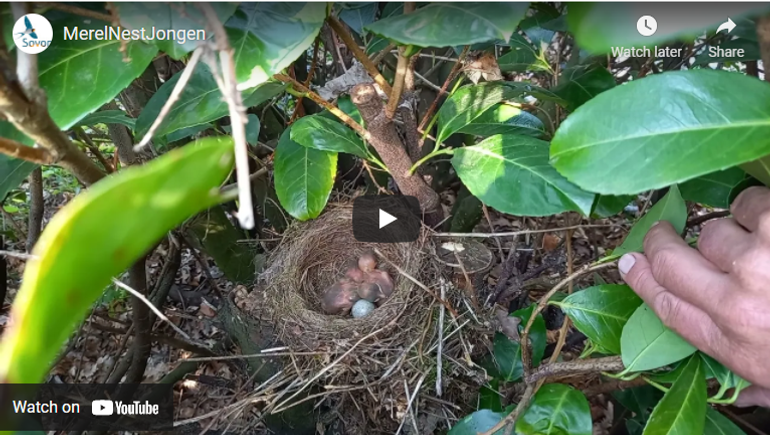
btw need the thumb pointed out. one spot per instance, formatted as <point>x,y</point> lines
<point>636,272</point>
<point>754,396</point>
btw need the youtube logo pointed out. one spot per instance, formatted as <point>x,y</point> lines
<point>386,219</point>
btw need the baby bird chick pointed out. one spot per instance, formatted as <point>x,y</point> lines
<point>354,274</point>
<point>380,280</point>
<point>340,297</point>
<point>367,262</point>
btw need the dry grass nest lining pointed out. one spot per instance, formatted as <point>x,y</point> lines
<point>312,256</point>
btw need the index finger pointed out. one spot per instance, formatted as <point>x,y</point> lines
<point>683,271</point>
<point>751,207</point>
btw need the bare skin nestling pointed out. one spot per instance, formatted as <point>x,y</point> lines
<point>362,281</point>
<point>340,297</point>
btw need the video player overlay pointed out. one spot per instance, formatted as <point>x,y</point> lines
<point>101,407</point>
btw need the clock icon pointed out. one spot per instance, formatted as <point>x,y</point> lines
<point>646,25</point>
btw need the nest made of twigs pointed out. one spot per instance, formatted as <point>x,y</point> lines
<point>313,255</point>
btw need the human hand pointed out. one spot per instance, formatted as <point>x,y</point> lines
<point>718,296</point>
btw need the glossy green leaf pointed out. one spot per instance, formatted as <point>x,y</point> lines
<point>682,411</point>
<point>507,353</point>
<point>579,84</point>
<point>726,378</point>
<point>55,295</point>
<point>624,142</point>
<point>713,189</point>
<point>187,132</point>
<point>647,344</point>
<point>556,409</point>
<point>359,15</point>
<point>79,76</point>
<point>180,17</point>
<point>541,26</point>
<point>601,312</point>
<point>489,396</point>
<point>13,171</point>
<point>478,422</point>
<point>598,27</point>
<point>471,102</point>
<point>608,205</point>
<point>377,43</point>
<point>278,32</point>
<point>201,102</point>
<point>303,177</point>
<point>266,38</point>
<point>670,208</point>
<point>324,134</point>
<point>108,117</point>
<point>522,57</point>
<point>252,129</point>
<point>450,24</point>
<point>718,424</point>
<point>512,174</point>
<point>505,119</point>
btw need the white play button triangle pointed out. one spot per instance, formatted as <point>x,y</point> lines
<point>386,219</point>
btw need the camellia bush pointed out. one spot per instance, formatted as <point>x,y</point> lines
<point>525,104</point>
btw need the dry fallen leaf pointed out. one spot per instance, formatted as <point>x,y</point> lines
<point>482,65</point>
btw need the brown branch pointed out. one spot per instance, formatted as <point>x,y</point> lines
<point>567,321</point>
<point>370,66</point>
<point>386,141</point>
<point>20,151</point>
<point>444,87</point>
<point>511,418</point>
<point>613,385</point>
<point>350,122</point>
<point>576,367</point>
<point>36,208</point>
<point>398,84</point>
<point>377,58</point>
<point>82,135</point>
<point>75,10</point>
<point>707,217</point>
<point>308,80</point>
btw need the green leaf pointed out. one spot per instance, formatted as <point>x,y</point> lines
<point>512,174</point>
<point>718,424</point>
<point>682,411</point>
<point>201,102</point>
<point>647,344</point>
<point>478,422</point>
<point>219,239</point>
<point>55,295</point>
<point>108,117</point>
<point>713,189</point>
<point>726,378</point>
<point>303,177</point>
<point>600,313</point>
<point>391,9</point>
<point>252,129</point>
<point>599,27</point>
<point>489,396</point>
<point>278,32</point>
<point>505,119</point>
<point>471,102</point>
<point>711,55</point>
<point>181,17</point>
<point>507,353</point>
<point>609,205</point>
<point>79,76</point>
<point>358,16</point>
<point>579,84</point>
<point>522,57</point>
<point>450,24</point>
<point>556,409</point>
<point>324,134</point>
<point>613,146</point>
<point>13,171</point>
<point>670,208</point>
<point>187,132</point>
<point>639,400</point>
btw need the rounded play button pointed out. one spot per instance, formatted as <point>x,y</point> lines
<point>386,219</point>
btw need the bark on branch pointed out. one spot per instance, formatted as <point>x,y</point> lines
<point>23,152</point>
<point>385,139</point>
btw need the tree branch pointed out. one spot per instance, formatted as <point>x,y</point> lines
<point>576,367</point>
<point>36,208</point>
<point>398,84</point>
<point>370,67</point>
<point>20,151</point>
<point>449,79</point>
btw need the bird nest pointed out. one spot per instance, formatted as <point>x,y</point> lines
<point>373,361</point>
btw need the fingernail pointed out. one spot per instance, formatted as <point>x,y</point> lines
<point>626,263</point>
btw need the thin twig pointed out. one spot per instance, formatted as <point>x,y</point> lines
<point>308,80</point>
<point>510,419</point>
<point>238,117</point>
<point>150,305</point>
<point>440,351</point>
<point>398,83</point>
<point>359,54</point>
<point>350,122</point>
<point>519,233</point>
<point>449,79</point>
<point>18,255</point>
<point>576,367</point>
<point>707,217</point>
<point>14,149</point>
<point>567,321</point>
<point>410,400</point>
<point>175,94</point>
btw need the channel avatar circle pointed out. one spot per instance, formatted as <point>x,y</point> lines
<point>32,33</point>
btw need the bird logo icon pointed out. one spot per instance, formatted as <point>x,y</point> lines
<point>28,31</point>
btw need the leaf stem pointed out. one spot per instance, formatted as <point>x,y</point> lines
<point>435,153</point>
